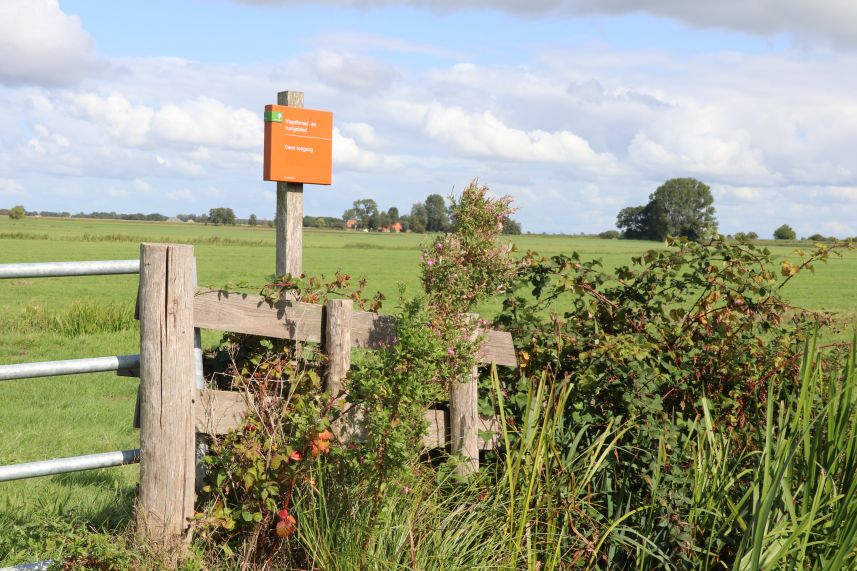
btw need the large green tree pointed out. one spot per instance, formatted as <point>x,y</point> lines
<point>785,232</point>
<point>438,215</point>
<point>365,211</point>
<point>679,207</point>
<point>219,216</point>
<point>418,218</point>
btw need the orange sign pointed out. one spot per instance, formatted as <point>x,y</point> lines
<point>298,144</point>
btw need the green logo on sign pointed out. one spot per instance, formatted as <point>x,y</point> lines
<point>273,117</point>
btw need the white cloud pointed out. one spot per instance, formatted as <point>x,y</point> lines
<point>127,122</point>
<point>485,135</point>
<point>362,132</point>
<point>181,195</point>
<point>9,187</point>
<point>358,41</point>
<point>347,154</point>
<point>573,135</point>
<point>205,121</point>
<point>347,71</point>
<point>840,195</point>
<point>200,121</point>
<point>825,19</point>
<point>40,44</point>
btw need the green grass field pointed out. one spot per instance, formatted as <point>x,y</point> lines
<point>51,417</point>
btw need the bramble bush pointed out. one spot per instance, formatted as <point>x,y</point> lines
<point>649,344</point>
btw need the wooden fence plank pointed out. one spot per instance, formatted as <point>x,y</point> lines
<point>254,315</point>
<point>218,412</point>
<point>497,347</point>
<point>371,330</point>
<point>438,435</point>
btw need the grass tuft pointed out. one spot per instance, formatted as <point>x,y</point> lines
<point>80,318</point>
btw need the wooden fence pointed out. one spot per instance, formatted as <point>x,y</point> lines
<point>172,410</point>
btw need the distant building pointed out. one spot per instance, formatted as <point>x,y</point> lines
<point>351,224</point>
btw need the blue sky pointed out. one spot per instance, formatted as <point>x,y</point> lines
<point>576,108</point>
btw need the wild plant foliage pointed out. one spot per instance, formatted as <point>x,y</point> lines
<point>697,330</point>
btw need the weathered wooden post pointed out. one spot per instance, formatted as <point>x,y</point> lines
<point>337,346</point>
<point>290,209</point>
<point>167,385</point>
<point>464,415</point>
<point>298,151</point>
<point>338,342</point>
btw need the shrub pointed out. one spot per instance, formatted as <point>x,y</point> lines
<point>785,232</point>
<point>819,238</point>
<point>648,343</point>
<point>465,267</point>
<point>610,235</point>
<point>17,212</point>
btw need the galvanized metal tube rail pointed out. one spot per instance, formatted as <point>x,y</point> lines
<point>58,269</point>
<point>40,566</point>
<point>69,464</point>
<point>68,367</point>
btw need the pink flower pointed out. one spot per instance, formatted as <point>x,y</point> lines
<point>451,351</point>
<point>430,262</point>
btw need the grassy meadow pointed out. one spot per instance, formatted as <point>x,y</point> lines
<point>41,319</point>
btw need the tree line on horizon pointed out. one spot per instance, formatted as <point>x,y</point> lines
<point>431,215</point>
<point>680,207</point>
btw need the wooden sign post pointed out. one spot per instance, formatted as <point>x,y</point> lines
<point>298,148</point>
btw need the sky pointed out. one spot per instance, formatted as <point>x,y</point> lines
<point>575,108</point>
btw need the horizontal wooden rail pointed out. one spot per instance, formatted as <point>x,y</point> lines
<point>255,315</point>
<point>218,412</point>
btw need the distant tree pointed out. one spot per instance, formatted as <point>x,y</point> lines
<point>437,216</point>
<point>221,216</point>
<point>746,236</point>
<point>383,220</point>
<point>362,210</point>
<point>419,218</point>
<point>252,221</point>
<point>17,212</point>
<point>610,235</point>
<point>819,238</point>
<point>634,222</point>
<point>784,232</point>
<point>679,207</point>
<point>683,207</point>
<point>393,213</point>
<point>511,227</point>
<point>331,222</point>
